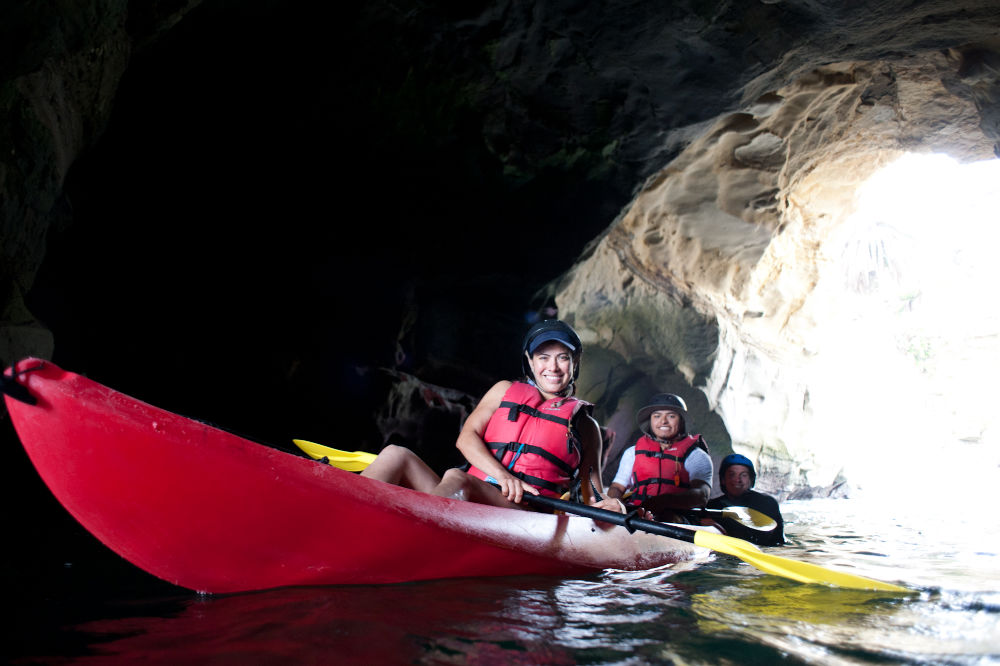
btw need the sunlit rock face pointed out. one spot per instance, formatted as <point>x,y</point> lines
<point>724,273</point>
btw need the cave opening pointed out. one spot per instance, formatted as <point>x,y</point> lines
<point>909,340</point>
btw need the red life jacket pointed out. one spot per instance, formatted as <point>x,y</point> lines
<point>535,439</point>
<point>659,471</point>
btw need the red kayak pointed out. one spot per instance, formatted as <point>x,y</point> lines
<point>210,511</point>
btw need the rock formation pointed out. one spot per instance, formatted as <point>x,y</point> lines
<point>710,278</point>
<point>427,143</point>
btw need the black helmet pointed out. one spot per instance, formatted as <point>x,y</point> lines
<point>546,331</point>
<point>662,401</point>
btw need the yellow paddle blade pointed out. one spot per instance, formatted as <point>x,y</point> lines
<point>804,572</point>
<point>749,517</point>
<point>759,518</point>
<point>352,461</point>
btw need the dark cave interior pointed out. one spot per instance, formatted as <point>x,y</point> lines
<point>278,198</point>
<point>271,201</point>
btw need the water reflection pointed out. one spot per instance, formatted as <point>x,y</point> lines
<point>811,621</point>
<point>716,612</point>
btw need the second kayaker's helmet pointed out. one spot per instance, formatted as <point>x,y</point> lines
<point>547,331</point>
<point>735,459</point>
<point>659,402</point>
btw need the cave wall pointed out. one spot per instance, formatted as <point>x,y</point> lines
<point>58,80</point>
<point>401,158</point>
<point>709,278</point>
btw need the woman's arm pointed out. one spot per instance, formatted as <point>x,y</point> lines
<point>590,440</point>
<point>590,472</point>
<point>470,442</point>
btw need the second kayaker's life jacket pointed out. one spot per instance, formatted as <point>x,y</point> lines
<point>535,439</point>
<point>659,471</point>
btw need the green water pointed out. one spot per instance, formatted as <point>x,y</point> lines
<point>720,611</point>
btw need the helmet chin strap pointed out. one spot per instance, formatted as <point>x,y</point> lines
<point>568,391</point>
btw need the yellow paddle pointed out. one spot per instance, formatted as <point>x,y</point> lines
<point>803,572</point>
<point>352,461</point>
<point>744,515</point>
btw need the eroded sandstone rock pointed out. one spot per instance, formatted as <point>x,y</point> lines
<point>711,273</point>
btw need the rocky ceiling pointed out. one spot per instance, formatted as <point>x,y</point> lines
<point>240,210</point>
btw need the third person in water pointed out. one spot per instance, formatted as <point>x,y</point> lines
<point>736,477</point>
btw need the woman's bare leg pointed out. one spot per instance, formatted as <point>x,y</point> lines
<point>463,486</point>
<point>401,467</point>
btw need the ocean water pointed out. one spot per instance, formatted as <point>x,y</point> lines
<point>720,611</point>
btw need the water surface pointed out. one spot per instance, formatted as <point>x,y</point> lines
<point>721,611</point>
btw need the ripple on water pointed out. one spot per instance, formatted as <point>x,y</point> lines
<point>720,611</point>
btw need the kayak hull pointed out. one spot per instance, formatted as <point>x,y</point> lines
<point>210,511</point>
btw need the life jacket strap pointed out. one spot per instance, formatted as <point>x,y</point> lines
<point>515,409</point>
<point>500,449</point>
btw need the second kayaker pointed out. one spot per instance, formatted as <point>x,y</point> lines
<point>669,471</point>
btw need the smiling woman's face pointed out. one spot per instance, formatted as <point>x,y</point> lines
<point>552,366</point>
<point>665,423</point>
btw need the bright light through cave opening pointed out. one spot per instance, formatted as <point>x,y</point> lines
<point>914,325</point>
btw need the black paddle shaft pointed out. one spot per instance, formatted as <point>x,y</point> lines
<point>629,521</point>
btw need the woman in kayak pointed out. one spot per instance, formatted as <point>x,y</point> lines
<point>669,470</point>
<point>527,436</point>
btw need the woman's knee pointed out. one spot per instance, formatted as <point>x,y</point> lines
<point>390,464</point>
<point>454,484</point>
<point>455,475</point>
<point>396,452</point>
